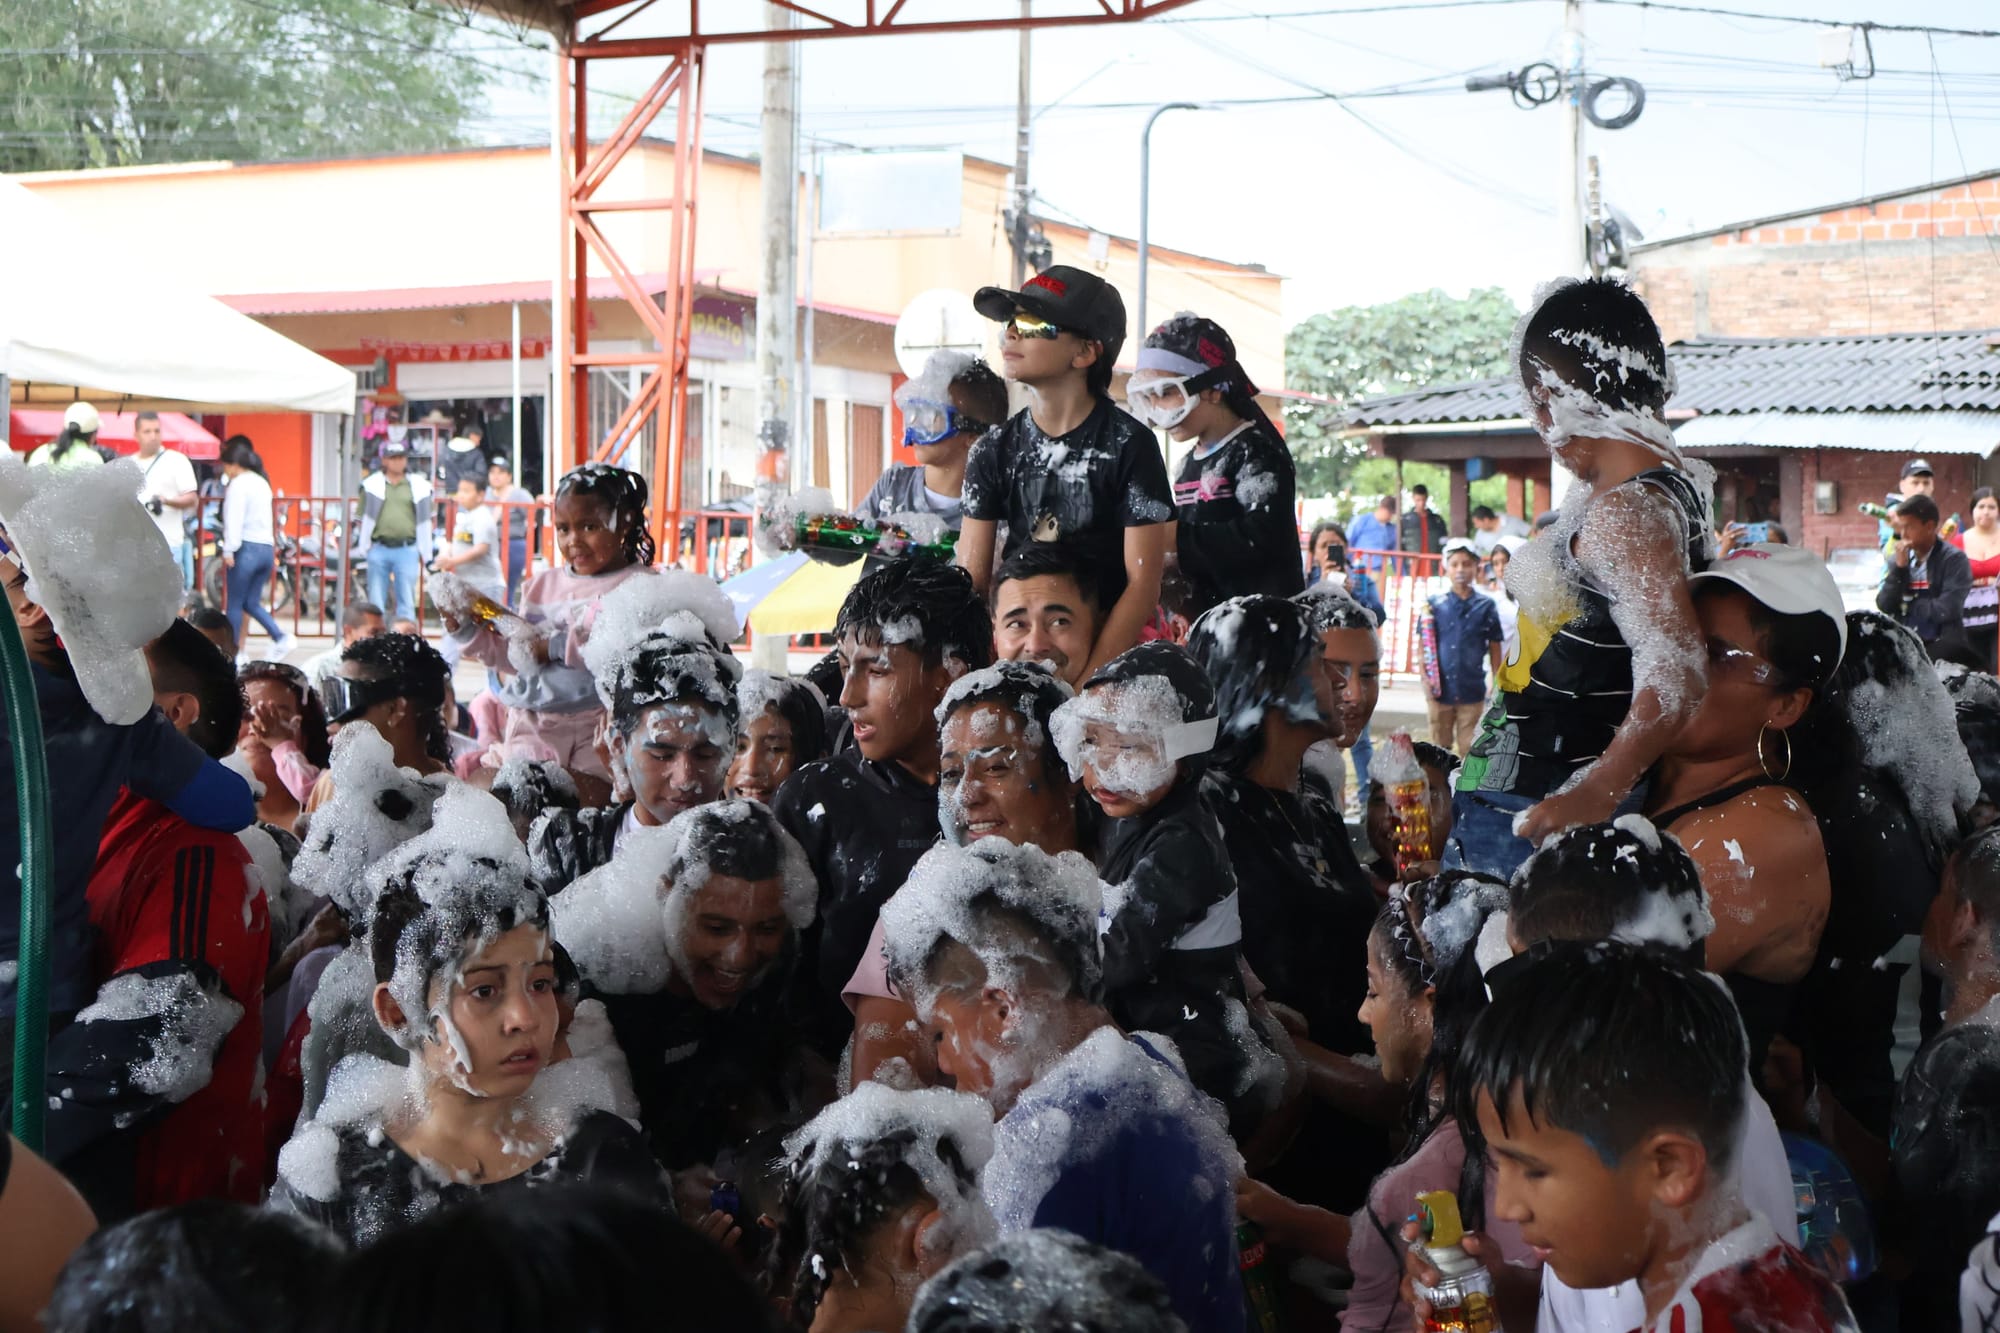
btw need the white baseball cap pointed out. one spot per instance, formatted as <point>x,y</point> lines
<point>1789,579</point>
<point>82,416</point>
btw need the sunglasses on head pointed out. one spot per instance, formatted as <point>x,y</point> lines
<point>1025,325</point>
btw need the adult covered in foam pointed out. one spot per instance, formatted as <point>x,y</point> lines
<point>689,936</point>
<point>90,583</point>
<point>1234,532</point>
<point>1100,1133</point>
<point>1138,737</point>
<point>906,631</point>
<point>1775,631</point>
<point>466,984</point>
<point>1611,663</point>
<point>659,653</point>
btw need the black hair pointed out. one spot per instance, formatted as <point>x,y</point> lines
<point>1976,871</point>
<point>184,660</point>
<point>1599,338</point>
<point>1589,882</point>
<point>1026,689</point>
<point>358,613</point>
<point>1975,701</point>
<point>1048,1280</point>
<point>1098,375</point>
<point>741,839</point>
<point>831,1208</point>
<point>312,714</point>
<point>936,598</point>
<point>206,618</point>
<point>1483,512</point>
<point>1258,651</point>
<point>561,1258</point>
<point>1334,608</point>
<point>1982,493</point>
<point>1920,507</point>
<point>802,706</point>
<point>1326,525</point>
<point>1804,646</point>
<point>985,392</point>
<point>624,494</point>
<point>404,924</point>
<point>420,674</point>
<point>824,675</point>
<point>666,669</point>
<point>1610,1042</point>
<point>239,452</point>
<point>219,1267</point>
<point>144,414</point>
<point>1421,489</point>
<point>1052,560</point>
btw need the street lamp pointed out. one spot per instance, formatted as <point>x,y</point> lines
<point>1146,191</point>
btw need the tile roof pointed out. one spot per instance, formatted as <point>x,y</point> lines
<point>1877,372</point>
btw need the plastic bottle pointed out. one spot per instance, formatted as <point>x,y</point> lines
<point>1406,785</point>
<point>1462,1301</point>
<point>1263,1302</point>
<point>845,532</point>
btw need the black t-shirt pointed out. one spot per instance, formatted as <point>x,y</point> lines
<point>1307,904</point>
<point>1237,535</point>
<point>1084,488</point>
<point>863,825</point>
<point>705,1078</point>
<point>565,845</point>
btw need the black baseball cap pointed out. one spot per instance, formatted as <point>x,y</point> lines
<point>394,449</point>
<point>1918,467</point>
<point>1068,297</point>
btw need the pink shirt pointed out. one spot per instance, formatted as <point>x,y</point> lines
<point>1376,1301</point>
<point>561,606</point>
<point>871,974</point>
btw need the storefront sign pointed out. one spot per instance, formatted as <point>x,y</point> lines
<point>493,349</point>
<point>724,330</point>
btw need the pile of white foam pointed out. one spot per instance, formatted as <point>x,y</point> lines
<point>193,1022</point>
<point>375,808</point>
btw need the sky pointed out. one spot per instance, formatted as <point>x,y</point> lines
<point>1406,181</point>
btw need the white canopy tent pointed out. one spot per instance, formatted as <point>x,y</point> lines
<point>78,321</point>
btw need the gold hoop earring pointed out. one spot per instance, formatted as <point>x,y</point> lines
<point>1765,764</point>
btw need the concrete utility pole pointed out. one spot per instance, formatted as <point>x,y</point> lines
<point>777,305</point>
<point>1022,130</point>
<point>1573,253</point>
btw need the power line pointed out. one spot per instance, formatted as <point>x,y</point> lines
<point>1673,7</point>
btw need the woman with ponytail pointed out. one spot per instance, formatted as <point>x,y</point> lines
<point>1233,497</point>
<point>76,446</point>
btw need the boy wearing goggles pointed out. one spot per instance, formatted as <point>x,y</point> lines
<point>1234,533</point>
<point>953,402</point>
<point>1070,467</point>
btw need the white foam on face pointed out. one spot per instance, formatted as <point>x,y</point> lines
<point>99,566</point>
<point>834,1139</point>
<point>352,830</point>
<point>1035,1142</point>
<point>760,690</point>
<point>1911,732</point>
<point>1578,411</point>
<point>193,1023</point>
<point>1141,712</point>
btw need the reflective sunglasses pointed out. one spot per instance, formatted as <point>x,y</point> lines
<point>1025,325</point>
<point>347,699</point>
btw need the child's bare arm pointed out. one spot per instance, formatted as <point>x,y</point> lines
<point>1145,561</point>
<point>1633,545</point>
<point>975,551</point>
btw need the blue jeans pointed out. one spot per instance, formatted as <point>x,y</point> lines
<point>245,584</point>
<point>1482,830</point>
<point>517,569</point>
<point>400,563</point>
<point>185,554</point>
<point>1363,753</point>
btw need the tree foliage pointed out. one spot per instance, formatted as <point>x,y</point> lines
<point>105,83</point>
<point>1418,342</point>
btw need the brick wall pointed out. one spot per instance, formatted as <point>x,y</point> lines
<point>1916,263</point>
<point>1871,476</point>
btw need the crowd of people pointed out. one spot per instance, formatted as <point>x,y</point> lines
<point>1014,967</point>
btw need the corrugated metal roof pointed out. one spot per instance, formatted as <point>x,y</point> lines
<point>1949,432</point>
<point>1895,372</point>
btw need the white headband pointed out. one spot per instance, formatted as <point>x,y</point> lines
<point>1159,358</point>
<point>1184,739</point>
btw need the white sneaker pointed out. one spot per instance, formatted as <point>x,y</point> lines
<point>283,644</point>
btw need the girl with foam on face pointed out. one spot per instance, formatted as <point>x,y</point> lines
<point>1234,532</point>
<point>1137,737</point>
<point>466,983</point>
<point>784,729</point>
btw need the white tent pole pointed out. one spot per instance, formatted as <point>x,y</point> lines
<point>517,389</point>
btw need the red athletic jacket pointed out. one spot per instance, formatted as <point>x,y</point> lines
<point>1750,1281</point>
<point>168,901</point>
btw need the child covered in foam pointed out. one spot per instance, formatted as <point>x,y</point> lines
<point>466,983</point>
<point>1135,737</point>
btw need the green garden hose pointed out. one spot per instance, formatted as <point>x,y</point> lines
<point>31,795</point>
